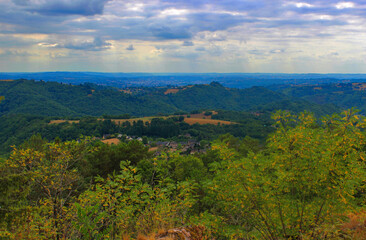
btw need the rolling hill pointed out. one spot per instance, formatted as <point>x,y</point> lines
<point>56,99</point>
<point>344,95</point>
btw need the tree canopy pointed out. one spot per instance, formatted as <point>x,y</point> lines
<point>303,184</point>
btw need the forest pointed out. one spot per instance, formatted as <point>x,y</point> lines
<point>306,182</point>
<point>56,99</point>
<point>21,127</point>
<point>296,173</point>
<point>345,94</point>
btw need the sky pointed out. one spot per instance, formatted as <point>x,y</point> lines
<point>269,36</point>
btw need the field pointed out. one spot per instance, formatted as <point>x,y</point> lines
<point>175,90</point>
<point>62,121</point>
<point>201,115</point>
<point>153,149</point>
<point>111,141</point>
<point>359,86</point>
<point>172,90</point>
<point>192,121</point>
<point>199,118</point>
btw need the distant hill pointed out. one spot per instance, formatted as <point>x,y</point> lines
<point>232,80</point>
<point>55,99</point>
<point>344,95</point>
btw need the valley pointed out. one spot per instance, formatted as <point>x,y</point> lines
<point>193,151</point>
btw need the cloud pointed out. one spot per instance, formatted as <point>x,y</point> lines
<point>15,53</point>
<point>200,49</point>
<point>96,45</point>
<point>170,31</point>
<point>10,41</point>
<point>187,44</point>
<point>21,2</point>
<point>266,52</point>
<point>275,51</point>
<point>181,55</point>
<point>158,20</point>
<point>64,7</point>
<point>212,36</point>
<point>130,48</point>
<point>343,5</point>
<point>167,47</point>
<point>207,30</point>
<point>216,21</point>
<point>257,52</point>
<point>215,51</point>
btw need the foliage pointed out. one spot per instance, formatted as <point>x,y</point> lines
<point>355,225</point>
<point>308,176</point>
<point>343,95</point>
<point>37,186</point>
<point>129,206</point>
<point>301,185</point>
<point>55,99</point>
<point>16,129</point>
<point>106,158</point>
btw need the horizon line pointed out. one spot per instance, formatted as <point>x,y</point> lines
<point>66,71</point>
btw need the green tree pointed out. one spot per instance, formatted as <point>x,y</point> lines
<point>105,159</point>
<point>122,204</point>
<point>307,178</point>
<point>37,186</point>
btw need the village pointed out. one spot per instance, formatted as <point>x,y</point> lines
<point>189,146</point>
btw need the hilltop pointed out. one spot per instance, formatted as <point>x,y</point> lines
<point>56,99</point>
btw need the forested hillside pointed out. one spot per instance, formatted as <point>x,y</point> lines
<point>344,95</point>
<point>55,99</point>
<point>306,183</point>
<point>292,176</point>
